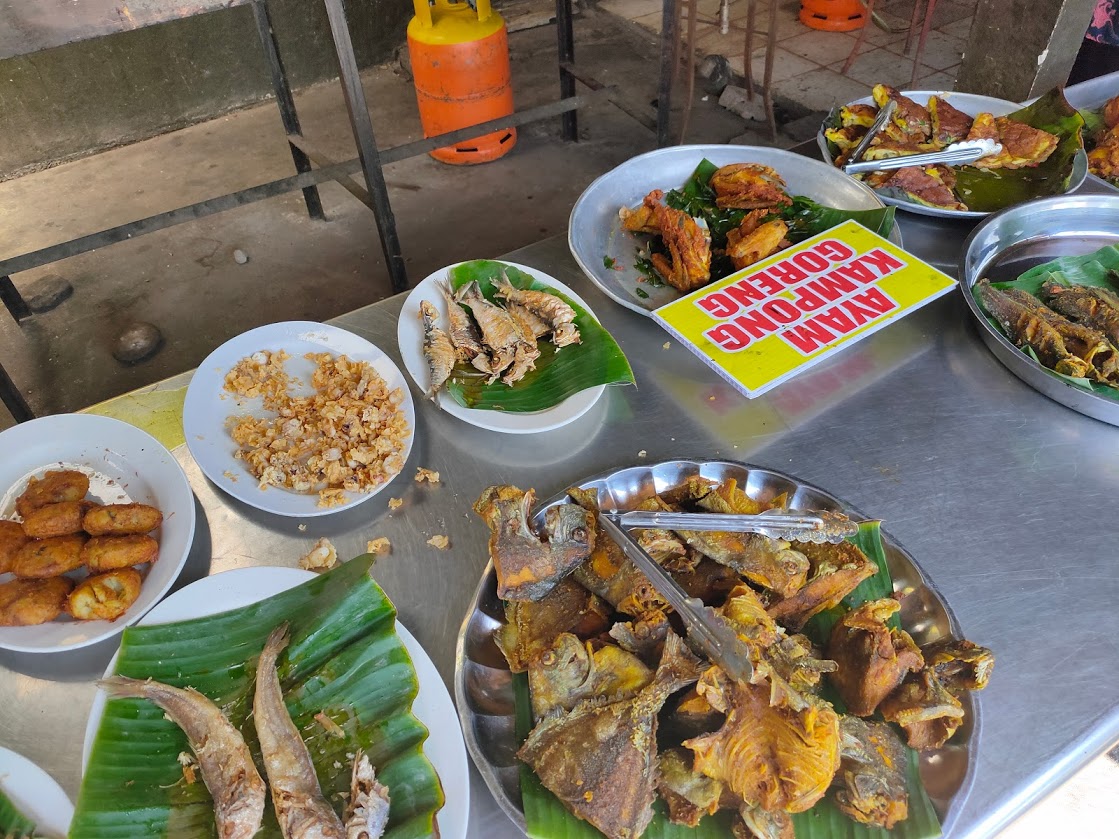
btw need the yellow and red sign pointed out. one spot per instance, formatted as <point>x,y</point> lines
<point>764,324</point>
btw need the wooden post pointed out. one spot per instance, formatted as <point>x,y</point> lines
<point>1019,49</point>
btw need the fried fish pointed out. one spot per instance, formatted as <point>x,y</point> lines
<point>872,787</point>
<point>573,670</point>
<point>1095,307</point>
<point>438,350</point>
<point>1027,329</point>
<point>873,658</point>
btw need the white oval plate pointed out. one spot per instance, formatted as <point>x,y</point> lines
<point>124,465</point>
<point>410,336</point>
<point>444,746</point>
<point>35,794</point>
<point>208,407</point>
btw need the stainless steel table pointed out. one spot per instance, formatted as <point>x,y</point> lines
<point>1004,496</point>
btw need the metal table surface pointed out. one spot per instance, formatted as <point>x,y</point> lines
<point>975,473</point>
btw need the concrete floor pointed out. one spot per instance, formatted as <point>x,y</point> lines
<point>186,282</point>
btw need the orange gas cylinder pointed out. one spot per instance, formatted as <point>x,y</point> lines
<point>833,15</point>
<point>460,63</point>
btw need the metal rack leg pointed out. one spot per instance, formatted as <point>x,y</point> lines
<point>13,300</point>
<point>565,35</point>
<point>285,101</point>
<point>13,399</point>
<point>366,144</point>
<point>669,34</point>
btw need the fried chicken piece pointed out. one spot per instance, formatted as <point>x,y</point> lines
<point>32,602</point>
<point>12,538</point>
<point>925,709</point>
<point>949,124</point>
<point>49,557</point>
<point>53,488</point>
<point>643,219</point>
<point>689,248</point>
<point>108,553</point>
<point>1103,160</point>
<point>104,597</point>
<point>121,520</point>
<point>873,658</point>
<point>748,186</point>
<point>745,249</point>
<point>924,185</point>
<point>59,519</point>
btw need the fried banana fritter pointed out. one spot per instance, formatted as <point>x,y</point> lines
<point>121,520</point>
<point>32,602</point>
<point>105,596</point>
<point>59,519</point>
<point>49,557</point>
<point>12,538</point>
<point>108,553</point>
<point>52,488</point>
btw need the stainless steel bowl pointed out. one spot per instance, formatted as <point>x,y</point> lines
<point>595,232</point>
<point>1017,239</point>
<point>483,683</point>
<point>971,104</point>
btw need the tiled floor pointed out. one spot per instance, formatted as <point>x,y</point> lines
<point>808,63</point>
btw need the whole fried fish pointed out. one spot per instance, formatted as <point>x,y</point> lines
<point>438,350</point>
<point>1080,339</point>
<point>554,311</point>
<point>301,809</point>
<point>1026,329</point>
<point>528,567</point>
<point>463,332</point>
<point>600,759</point>
<point>1096,307</point>
<point>367,812</point>
<point>531,628</point>
<point>225,761</point>
<point>499,332</point>
<point>573,670</point>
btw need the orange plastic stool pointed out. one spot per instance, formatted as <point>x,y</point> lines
<point>833,15</point>
<point>460,66</point>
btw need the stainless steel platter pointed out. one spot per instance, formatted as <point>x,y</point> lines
<point>1019,238</point>
<point>1090,95</point>
<point>483,683</point>
<point>971,104</point>
<point>595,233</point>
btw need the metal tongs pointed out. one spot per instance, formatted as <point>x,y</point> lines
<point>957,154</point>
<point>706,628</point>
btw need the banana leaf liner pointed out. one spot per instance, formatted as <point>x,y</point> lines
<point>13,823</point>
<point>1091,269</point>
<point>559,374</point>
<point>345,660</point>
<point>987,191</point>
<point>547,818</point>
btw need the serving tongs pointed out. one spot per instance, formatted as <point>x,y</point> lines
<point>712,635</point>
<point>957,154</point>
<point>818,526</point>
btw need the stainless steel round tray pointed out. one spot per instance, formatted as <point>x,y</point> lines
<point>1019,238</point>
<point>595,234</point>
<point>483,683</point>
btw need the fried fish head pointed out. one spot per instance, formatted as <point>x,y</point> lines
<point>53,488</point>
<point>574,670</point>
<point>104,596</point>
<point>836,570</point>
<point>531,628</point>
<point>873,658</point>
<point>959,664</point>
<point>689,794</point>
<point>33,602</point>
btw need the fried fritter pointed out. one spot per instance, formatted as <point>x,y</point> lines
<point>846,137</point>
<point>748,186</point>
<point>12,538</point>
<point>32,602</point>
<point>49,557</point>
<point>121,520</point>
<point>745,249</point>
<point>873,658</point>
<point>1022,145</point>
<point>861,115</point>
<point>52,488</point>
<point>108,553</point>
<point>59,519</point>
<point>104,596</point>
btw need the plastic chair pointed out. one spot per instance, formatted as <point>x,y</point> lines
<point>928,7</point>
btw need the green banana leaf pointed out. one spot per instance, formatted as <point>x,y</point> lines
<point>547,818</point>
<point>559,374</point>
<point>13,823</point>
<point>987,191</point>
<point>345,660</point>
<point>1092,269</point>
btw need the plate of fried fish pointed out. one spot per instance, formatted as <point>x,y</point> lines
<point>673,220</point>
<point>581,700</point>
<point>1042,282</point>
<point>337,701</point>
<point>506,347</point>
<point>1039,149</point>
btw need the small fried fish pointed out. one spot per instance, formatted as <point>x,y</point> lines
<point>550,308</point>
<point>1026,329</point>
<point>1096,307</point>
<point>367,812</point>
<point>573,670</point>
<point>438,350</point>
<point>301,809</point>
<point>225,761</point>
<point>463,332</point>
<point>499,331</point>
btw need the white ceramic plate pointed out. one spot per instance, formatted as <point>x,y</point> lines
<point>35,794</point>
<point>208,407</point>
<point>124,465</point>
<point>409,334</point>
<point>432,706</point>
<point>971,104</point>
